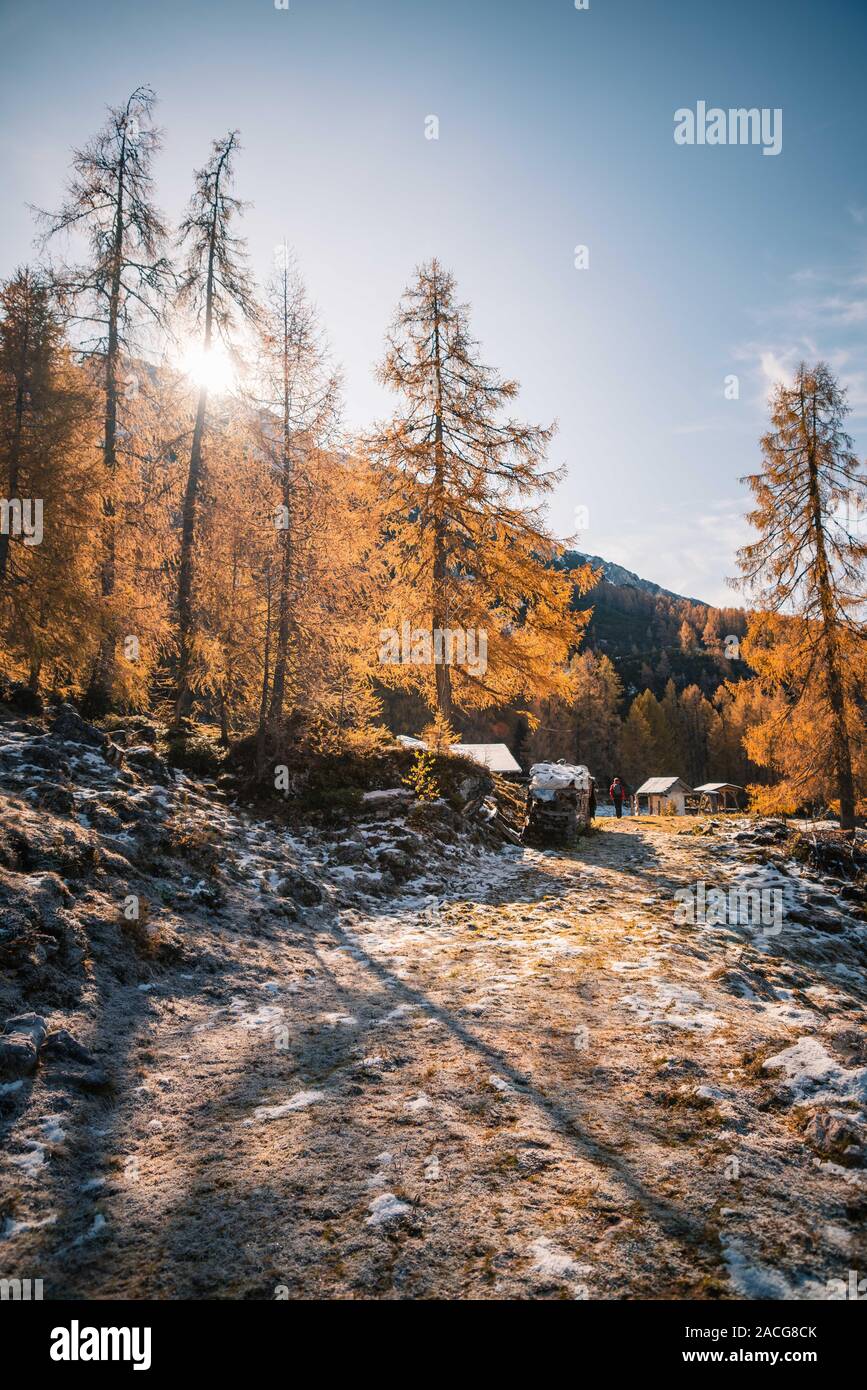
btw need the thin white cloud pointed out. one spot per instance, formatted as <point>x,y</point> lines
<point>685,550</point>
<point>825,324</point>
<point>774,369</point>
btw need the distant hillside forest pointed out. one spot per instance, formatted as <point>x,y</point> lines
<point>655,692</point>
<point>653,636</point>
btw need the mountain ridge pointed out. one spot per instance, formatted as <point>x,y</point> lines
<point>624,578</point>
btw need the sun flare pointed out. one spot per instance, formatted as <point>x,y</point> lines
<point>212,369</point>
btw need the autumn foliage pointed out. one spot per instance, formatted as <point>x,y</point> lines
<point>229,550</point>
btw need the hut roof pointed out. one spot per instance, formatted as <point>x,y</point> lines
<point>658,786</point>
<point>495,756</point>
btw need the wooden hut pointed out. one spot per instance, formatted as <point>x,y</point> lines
<point>494,756</point>
<point>721,796</point>
<point>665,796</point>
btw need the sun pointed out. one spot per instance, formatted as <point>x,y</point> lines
<point>213,369</point>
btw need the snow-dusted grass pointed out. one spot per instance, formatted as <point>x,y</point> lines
<point>510,1075</point>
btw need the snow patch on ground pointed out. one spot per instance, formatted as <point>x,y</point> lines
<point>809,1069</point>
<point>300,1101</point>
<point>750,1279</point>
<point>30,1163</point>
<point>386,1208</point>
<point>555,1265</point>
<point>421,1102</point>
<point>674,1006</point>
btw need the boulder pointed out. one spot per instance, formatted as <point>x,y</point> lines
<point>777,828</point>
<point>474,786</point>
<point>208,893</point>
<point>398,864</point>
<point>148,765</point>
<point>436,818</point>
<point>21,946</point>
<point>299,888</point>
<point>69,726</point>
<point>41,751</point>
<point>62,1043</point>
<point>31,840</point>
<point>23,699</point>
<point>817,918</point>
<point>34,923</point>
<point>92,1079</point>
<point>349,852</point>
<point>834,1136</point>
<point>55,796</point>
<point>32,1026</point>
<point>389,799</point>
<point>18,1055</point>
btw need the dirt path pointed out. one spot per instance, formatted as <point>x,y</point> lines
<point>542,1087</point>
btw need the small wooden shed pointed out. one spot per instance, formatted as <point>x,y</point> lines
<point>494,756</point>
<point>665,796</point>
<point>721,796</point>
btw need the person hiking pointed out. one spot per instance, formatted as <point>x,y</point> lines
<point>617,792</point>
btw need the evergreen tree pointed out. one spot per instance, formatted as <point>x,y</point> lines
<point>696,719</point>
<point>216,288</point>
<point>596,702</point>
<point>29,339</point>
<point>637,755</point>
<point>48,465</point>
<point>806,642</point>
<point>467,548</point>
<point>301,391</point>
<point>110,201</point>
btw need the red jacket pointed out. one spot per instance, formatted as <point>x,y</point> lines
<point>617,789</point>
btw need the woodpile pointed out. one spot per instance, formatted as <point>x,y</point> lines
<point>840,852</point>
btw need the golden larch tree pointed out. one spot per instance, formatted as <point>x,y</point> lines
<point>465,539</point>
<point>805,572</point>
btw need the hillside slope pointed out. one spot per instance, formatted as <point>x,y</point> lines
<point>388,1061</point>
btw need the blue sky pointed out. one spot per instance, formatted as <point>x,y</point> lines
<point>555,129</point>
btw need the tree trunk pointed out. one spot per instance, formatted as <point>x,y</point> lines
<point>14,466</point>
<point>261,737</point>
<point>184,696</point>
<point>278,687</point>
<point>98,698</point>
<point>184,699</point>
<point>36,661</point>
<point>442,674</point>
<point>278,684</point>
<point>440,621</point>
<point>224,720</point>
